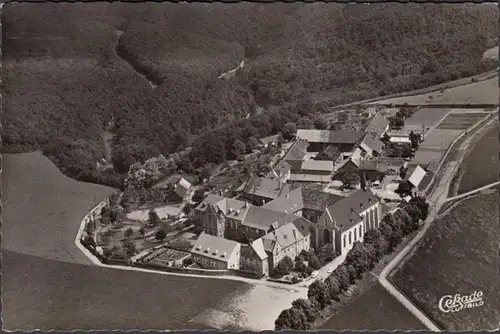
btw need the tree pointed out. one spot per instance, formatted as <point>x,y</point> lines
<point>342,117</point>
<point>307,307</point>
<point>375,238</point>
<point>318,291</point>
<point>349,177</point>
<point>333,287</point>
<point>314,262</point>
<point>359,258</point>
<point>406,152</point>
<point>402,172</point>
<point>415,140</point>
<point>320,123</point>
<point>129,247</point>
<point>252,143</point>
<point>325,253</point>
<point>238,148</point>
<point>154,219</point>
<point>422,206</point>
<point>405,219</point>
<point>404,189</point>
<point>396,122</point>
<point>289,131</point>
<point>283,267</point>
<point>129,232</point>
<point>386,230</point>
<point>342,277</point>
<point>142,231</point>
<point>284,321</point>
<point>352,274</point>
<point>160,235</point>
<point>300,265</point>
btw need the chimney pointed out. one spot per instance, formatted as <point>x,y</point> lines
<point>294,234</point>
<point>246,205</point>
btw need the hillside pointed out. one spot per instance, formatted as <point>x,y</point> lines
<point>69,69</point>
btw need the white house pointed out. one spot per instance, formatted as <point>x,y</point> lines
<point>211,252</point>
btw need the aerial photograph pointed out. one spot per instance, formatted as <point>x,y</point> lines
<point>250,166</point>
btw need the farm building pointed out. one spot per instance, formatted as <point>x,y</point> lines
<point>371,146</point>
<point>271,140</point>
<point>378,126</point>
<point>320,139</point>
<point>211,252</point>
<point>182,188</point>
<point>281,172</point>
<point>259,191</point>
<point>330,153</point>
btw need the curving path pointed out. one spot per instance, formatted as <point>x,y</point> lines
<point>472,192</point>
<point>436,199</point>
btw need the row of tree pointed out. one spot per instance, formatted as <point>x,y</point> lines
<point>361,259</point>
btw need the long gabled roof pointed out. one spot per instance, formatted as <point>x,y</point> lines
<point>267,188</point>
<point>214,247</point>
<point>303,198</point>
<point>377,125</point>
<point>330,136</point>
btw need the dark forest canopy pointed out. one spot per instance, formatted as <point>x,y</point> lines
<point>64,80</point>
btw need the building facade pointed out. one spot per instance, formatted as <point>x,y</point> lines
<point>211,252</point>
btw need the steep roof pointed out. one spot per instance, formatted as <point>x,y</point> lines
<point>330,136</point>
<point>372,144</point>
<point>297,151</point>
<point>258,247</point>
<point>345,212</point>
<point>230,207</point>
<point>214,247</point>
<point>289,203</point>
<point>263,219</point>
<point>303,198</point>
<point>284,236</point>
<point>417,176</point>
<point>331,152</point>
<point>281,169</point>
<point>377,125</point>
<point>209,200</point>
<point>267,188</point>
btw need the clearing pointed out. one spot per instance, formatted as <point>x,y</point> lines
<point>43,208</point>
<point>481,167</point>
<point>461,121</point>
<point>459,254</point>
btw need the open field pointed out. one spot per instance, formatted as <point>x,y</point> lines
<point>434,146</point>
<point>361,314</point>
<point>53,295</point>
<point>481,166</point>
<point>43,208</point>
<point>461,121</point>
<point>426,116</point>
<point>482,92</point>
<point>459,254</point>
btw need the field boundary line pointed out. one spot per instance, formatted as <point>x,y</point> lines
<point>470,131</point>
<point>472,192</point>
<point>467,81</point>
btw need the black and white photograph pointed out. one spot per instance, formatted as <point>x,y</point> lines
<point>250,166</point>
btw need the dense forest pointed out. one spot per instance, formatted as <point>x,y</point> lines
<point>71,69</point>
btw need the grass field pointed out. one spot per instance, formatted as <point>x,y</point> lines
<point>426,116</point>
<point>43,208</point>
<point>53,295</point>
<point>481,165</point>
<point>374,310</point>
<point>434,145</point>
<point>461,121</point>
<point>482,92</point>
<point>459,254</point>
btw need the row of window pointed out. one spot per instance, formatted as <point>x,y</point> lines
<point>358,234</point>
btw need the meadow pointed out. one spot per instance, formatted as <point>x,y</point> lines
<point>459,254</point>
<point>374,310</point>
<point>46,294</point>
<point>43,208</point>
<point>481,166</point>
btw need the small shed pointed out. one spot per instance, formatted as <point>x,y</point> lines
<point>182,187</point>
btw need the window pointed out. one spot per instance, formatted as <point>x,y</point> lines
<point>350,237</point>
<point>344,241</point>
<point>355,234</point>
<point>361,231</point>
